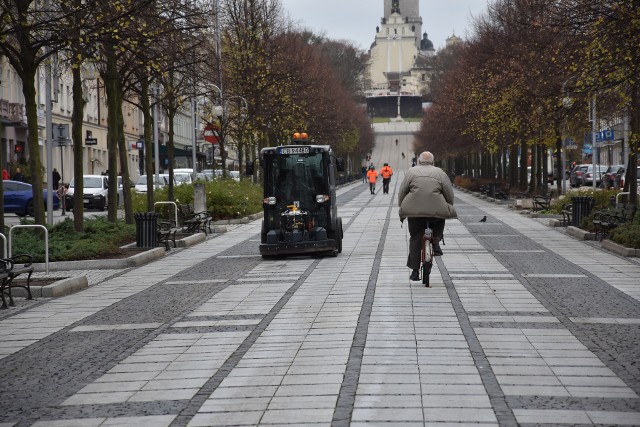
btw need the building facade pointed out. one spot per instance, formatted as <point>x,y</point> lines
<point>13,132</point>
<point>399,72</point>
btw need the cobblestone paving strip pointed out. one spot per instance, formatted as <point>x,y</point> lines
<point>346,398</point>
<point>564,363</point>
<point>152,388</point>
<point>503,413</point>
<point>67,361</point>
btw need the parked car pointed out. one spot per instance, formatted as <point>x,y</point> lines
<point>613,177</point>
<point>576,178</point>
<point>141,184</point>
<point>96,192</point>
<point>588,176</point>
<point>18,198</point>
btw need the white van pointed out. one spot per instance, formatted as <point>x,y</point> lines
<point>183,176</point>
<point>96,192</point>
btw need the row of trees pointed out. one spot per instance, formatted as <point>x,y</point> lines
<point>270,78</point>
<point>526,79</point>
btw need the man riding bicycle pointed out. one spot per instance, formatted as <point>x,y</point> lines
<point>425,196</point>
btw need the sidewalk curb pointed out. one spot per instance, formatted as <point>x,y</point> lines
<point>74,284</point>
<point>619,249</point>
<point>56,289</point>
<point>103,264</point>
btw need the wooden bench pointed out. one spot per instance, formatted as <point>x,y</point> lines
<point>602,214</point>
<point>194,222</point>
<point>542,202</point>
<point>605,221</point>
<point>167,233</point>
<point>14,267</point>
<point>567,214</point>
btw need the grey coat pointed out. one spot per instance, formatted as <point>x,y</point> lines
<point>426,191</point>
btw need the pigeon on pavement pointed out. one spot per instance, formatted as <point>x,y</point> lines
<point>484,219</point>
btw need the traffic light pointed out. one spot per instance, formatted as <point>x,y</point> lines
<point>19,147</point>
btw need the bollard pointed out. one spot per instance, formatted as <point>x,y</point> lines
<point>146,229</point>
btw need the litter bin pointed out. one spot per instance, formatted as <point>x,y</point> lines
<point>581,208</point>
<point>492,191</point>
<point>146,229</point>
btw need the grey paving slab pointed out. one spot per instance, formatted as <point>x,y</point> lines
<point>288,342</point>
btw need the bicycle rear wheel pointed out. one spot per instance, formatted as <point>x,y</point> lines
<point>427,263</point>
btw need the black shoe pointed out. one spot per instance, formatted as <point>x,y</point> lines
<point>415,275</point>
<point>436,249</point>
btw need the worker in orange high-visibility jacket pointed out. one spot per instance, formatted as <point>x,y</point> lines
<point>372,176</point>
<point>386,173</point>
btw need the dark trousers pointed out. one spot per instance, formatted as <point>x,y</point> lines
<point>385,185</point>
<point>416,230</point>
<point>372,187</point>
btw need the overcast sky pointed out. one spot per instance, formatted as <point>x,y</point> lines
<point>356,20</point>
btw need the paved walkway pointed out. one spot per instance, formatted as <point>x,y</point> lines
<point>523,326</point>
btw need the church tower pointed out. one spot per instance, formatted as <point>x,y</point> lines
<point>398,69</point>
<point>409,10</point>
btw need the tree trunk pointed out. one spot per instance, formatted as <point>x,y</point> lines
<point>148,141</point>
<point>559,165</point>
<point>633,143</point>
<point>29,92</point>
<point>171,115</point>
<point>77,116</point>
<point>524,151</point>
<point>3,162</point>
<point>124,167</point>
<point>513,166</point>
<point>112,89</point>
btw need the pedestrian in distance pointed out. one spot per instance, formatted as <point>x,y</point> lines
<point>386,172</point>
<point>364,173</point>
<point>396,142</point>
<point>372,176</point>
<point>5,174</point>
<point>56,178</point>
<point>414,161</point>
<point>403,155</point>
<point>19,176</point>
<point>425,196</point>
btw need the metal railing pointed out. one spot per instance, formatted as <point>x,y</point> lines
<point>175,209</point>
<point>624,193</point>
<point>46,241</point>
<point>4,245</point>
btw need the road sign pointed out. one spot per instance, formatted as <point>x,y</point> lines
<point>91,141</point>
<point>605,135</point>
<point>211,134</point>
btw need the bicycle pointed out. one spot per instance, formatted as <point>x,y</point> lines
<point>426,255</point>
